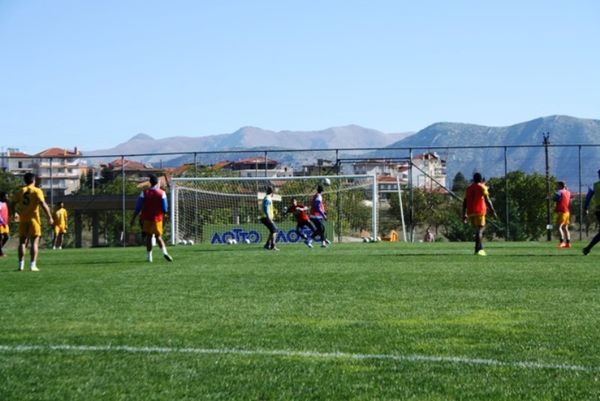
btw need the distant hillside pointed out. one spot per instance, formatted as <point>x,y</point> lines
<point>251,138</point>
<point>563,131</point>
<point>440,137</point>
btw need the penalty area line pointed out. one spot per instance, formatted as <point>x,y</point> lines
<point>457,360</point>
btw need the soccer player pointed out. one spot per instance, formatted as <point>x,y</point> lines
<point>318,216</point>
<point>562,197</point>
<point>28,200</point>
<point>152,205</point>
<point>4,220</point>
<point>475,204</point>
<point>60,225</point>
<point>593,197</point>
<point>302,220</point>
<point>268,215</point>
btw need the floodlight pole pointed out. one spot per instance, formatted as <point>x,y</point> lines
<point>546,136</point>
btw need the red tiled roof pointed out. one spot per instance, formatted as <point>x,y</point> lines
<point>130,165</point>
<point>18,154</point>
<point>58,152</point>
<point>255,160</point>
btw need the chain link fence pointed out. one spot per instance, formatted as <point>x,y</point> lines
<point>418,192</point>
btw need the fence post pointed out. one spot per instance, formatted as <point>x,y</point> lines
<point>546,136</point>
<point>506,207</point>
<point>411,197</point>
<point>580,197</point>
<point>123,199</point>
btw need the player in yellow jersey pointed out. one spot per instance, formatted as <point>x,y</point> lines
<point>60,225</point>
<point>28,200</point>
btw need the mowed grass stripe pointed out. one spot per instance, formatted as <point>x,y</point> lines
<point>290,353</point>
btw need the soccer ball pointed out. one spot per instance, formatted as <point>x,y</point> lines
<point>190,242</point>
<point>326,181</point>
<point>231,241</point>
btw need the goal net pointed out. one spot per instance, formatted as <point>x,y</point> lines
<point>225,210</point>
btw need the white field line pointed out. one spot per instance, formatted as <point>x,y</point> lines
<point>302,354</point>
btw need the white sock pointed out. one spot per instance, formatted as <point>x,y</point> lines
<point>164,250</point>
<point>150,256</point>
<point>32,265</point>
<point>21,264</point>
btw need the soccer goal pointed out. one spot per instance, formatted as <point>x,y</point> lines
<point>226,210</point>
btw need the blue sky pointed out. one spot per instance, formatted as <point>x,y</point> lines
<point>93,73</point>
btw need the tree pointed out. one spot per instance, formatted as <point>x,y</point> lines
<point>9,182</point>
<point>527,199</point>
<point>459,184</point>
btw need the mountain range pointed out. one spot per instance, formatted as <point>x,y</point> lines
<point>465,147</point>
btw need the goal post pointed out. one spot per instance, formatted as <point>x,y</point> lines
<point>220,210</point>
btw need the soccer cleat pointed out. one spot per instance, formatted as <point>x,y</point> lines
<point>324,244</point>
<point>275,249</point>
<point>562,245</point>
<point>327,242</point>
<point>568,245</point>
<point>20,268</point>
<point>308,243</point>
<point>481,252</point>
<point>34,269</point>
<point>168,257</point>
<point>585,251</point>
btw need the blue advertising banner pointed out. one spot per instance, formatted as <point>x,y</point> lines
<point>255,234</point>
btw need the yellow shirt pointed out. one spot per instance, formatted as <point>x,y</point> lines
<point>60,217</point>
<point>27,201</point>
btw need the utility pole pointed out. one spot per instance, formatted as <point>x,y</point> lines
<point>546,136</point>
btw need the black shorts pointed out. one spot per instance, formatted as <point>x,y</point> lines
<point>269,224</point>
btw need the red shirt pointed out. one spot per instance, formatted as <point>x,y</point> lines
<point>563,198</point>
<point>298,212</point>
<point>154,204</point>
<point>3,214</point>
<point>475,197</point>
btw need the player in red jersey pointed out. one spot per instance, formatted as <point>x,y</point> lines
<point>302,220</point>
<point>4,221</point>
<point>562,197</point>
<point>153,205</point>
<point>475,205</point>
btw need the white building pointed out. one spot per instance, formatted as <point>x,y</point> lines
<point>428,171</point>
<point>16,162</point>
<point>58,170</point>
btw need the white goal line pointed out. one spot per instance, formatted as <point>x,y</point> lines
<point>305,354</point>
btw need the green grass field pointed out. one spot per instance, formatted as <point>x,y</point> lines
<point>383,321</point>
